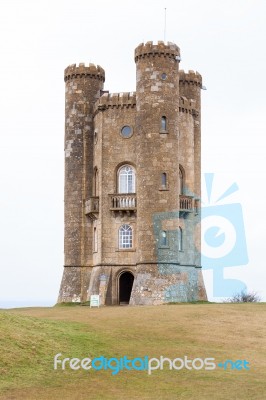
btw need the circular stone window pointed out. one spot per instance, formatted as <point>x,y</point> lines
<point>126,131</point>
<point>164,76</point>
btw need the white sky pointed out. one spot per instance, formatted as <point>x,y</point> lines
<point>223,40</point>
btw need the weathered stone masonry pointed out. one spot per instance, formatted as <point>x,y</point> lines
<point>132,183</point>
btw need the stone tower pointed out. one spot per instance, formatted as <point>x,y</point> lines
<point>132,184</point>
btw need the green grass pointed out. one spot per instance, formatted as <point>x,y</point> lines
<point>30,338</point>
<point>28,345</point>
<point>72,304</point>
<point>190,302</point>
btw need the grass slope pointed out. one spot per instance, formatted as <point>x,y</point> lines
<point>29,339</point>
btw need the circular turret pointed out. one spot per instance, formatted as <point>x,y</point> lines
<point>160,49</point>
<point>190,78</point>
<point>83,86</point>
<point>190,85</point>
<point>157,98</point>
<point>80,71</point>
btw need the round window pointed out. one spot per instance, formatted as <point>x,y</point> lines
<point>164,76</point>
<point>126,131</point>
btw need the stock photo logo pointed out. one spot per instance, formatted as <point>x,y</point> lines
<point>223,238</point>
<point>222,245</point>
<point>146,363</point>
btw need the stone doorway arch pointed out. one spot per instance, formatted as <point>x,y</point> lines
<point>125,284</point>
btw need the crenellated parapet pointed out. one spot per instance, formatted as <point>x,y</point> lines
<point>190,78</point>
<point>115,100</point>
<point>128,100</point>
<point>160,49</point>
<point>187,106</point>
<point>81,70</point>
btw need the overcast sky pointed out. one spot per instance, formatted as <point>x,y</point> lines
<point>223,40</point>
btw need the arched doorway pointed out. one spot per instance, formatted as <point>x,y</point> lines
<point>126,280</point>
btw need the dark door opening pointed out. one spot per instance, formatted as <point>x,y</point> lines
<point>125,287</point>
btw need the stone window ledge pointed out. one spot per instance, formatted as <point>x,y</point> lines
<point>123,250</point>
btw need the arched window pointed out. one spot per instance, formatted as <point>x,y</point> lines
<point>126,179</point>
<point>180,239</point>
<point>164,180</point>
<point>163,123</point>
<point>125,237</point>
<point>181,180</point>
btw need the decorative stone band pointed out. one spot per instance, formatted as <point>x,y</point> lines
<point>149,49</point>
<point>132,265</point>
<point>115,100</point>
<point>190,78</point>
<point>80,71</point>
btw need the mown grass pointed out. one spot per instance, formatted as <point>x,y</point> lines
<point>28,345</point>
<point>29,339</point>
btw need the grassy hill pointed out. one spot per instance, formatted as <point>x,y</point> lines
<point>31,337</point>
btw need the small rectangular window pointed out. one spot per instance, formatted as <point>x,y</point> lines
<point>163,124</point>
<point>164,180</point>
<point>180,239</point>
<point>163,127</point>
<point>164,238</point>
<point>95,240</point>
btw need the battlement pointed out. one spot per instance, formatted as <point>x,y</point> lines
<point>115,100</point>
<point>81,70</point>
<point>160,49</point>
<point>187,106</point>
<point>190,77</point>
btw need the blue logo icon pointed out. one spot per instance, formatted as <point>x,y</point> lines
<point>223,239</point>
